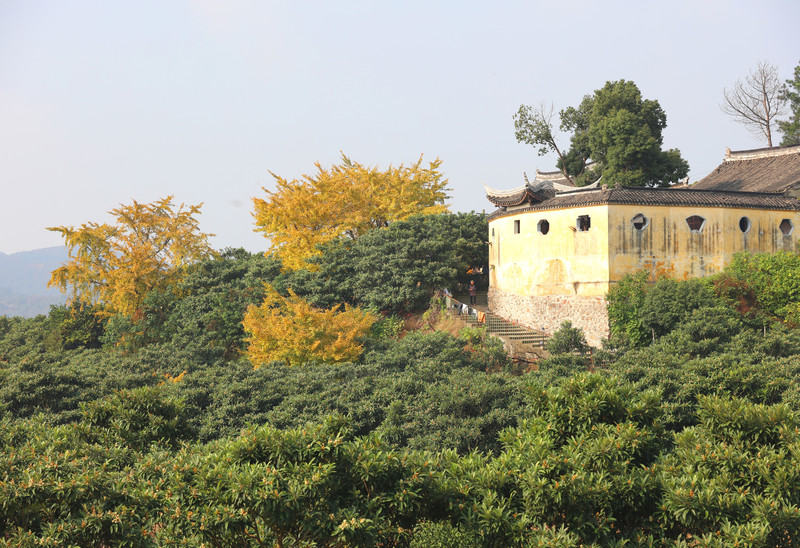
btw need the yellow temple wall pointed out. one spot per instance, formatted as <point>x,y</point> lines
<point>540,280</point>
<point>666,244</point>
<point>565,261</point>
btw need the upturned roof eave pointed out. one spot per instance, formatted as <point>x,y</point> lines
<point>507,198</point>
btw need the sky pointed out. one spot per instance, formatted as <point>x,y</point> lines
<point>104,102</point>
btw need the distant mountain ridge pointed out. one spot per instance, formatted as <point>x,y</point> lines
<point>23,281</point>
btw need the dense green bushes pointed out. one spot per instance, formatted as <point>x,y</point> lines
<point>204,312</point>
<point>685,434</point>
<point>425,390</point>
<point>640,311</point>
<point>733,479</point>
<point>398,269</point>
<point>590,466</point>
<point>764,285</point>
<point>763,288</point>
<point>712,349</point>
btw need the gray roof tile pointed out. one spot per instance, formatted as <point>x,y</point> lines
<point>661,197</point>
<point>763,170</point>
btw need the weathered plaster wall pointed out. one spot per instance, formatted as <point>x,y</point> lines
<point>546,312</point>
<point>667,244</point>
<point>565,261</point>
<point>541,279</point>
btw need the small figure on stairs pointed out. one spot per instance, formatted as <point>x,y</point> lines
<point>473,293</point>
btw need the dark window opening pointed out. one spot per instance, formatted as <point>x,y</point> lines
<point>639,221</point>
<point>543,226</point>
<point>584,223</point>
<point>516,227</point>
<point>695,223</point>
<point>492,232</point>
<point>744,224</point>
<point>786,227</point>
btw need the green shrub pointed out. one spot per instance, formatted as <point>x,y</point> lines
<point>640,311</point>
<point>763,284</point>
<point>59,490</point>
<point>78,325</point>
<point>669,302</point>
<point>313,485</point>
<point>625,301</point>
<point>398,269</point>
<point>443,535</point>
<point>388,327</point>
<point>563,365</point>
<point>732,479</point>
<point>137,418</point>
<point>567,340</point>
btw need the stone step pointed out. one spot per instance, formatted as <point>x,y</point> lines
<point>517,335</point>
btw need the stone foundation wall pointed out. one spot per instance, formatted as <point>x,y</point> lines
<point>546,312</point>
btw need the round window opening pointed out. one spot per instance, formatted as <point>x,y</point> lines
<point>543,226</point>
<point>639,221</point>
<point>744,224</point>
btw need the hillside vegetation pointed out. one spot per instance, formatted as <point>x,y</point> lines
<point>156,429</point>
<point>191,397</point>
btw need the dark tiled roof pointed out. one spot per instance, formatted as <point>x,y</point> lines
<point>661,197</point>
<point>762,170</point>
<point>543,187</point>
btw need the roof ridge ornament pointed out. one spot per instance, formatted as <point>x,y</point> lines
<point>735,155</point>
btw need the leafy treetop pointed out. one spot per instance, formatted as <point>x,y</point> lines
<point>399,268</point>
<point>615,128</point>
<point>145,250</point>
<point>791,126</point>
<point>292,330</point>
<point>344,201</point>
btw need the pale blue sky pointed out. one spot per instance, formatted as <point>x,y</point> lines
<point>106,101</point>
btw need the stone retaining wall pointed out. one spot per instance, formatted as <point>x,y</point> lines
<point>546,312</point>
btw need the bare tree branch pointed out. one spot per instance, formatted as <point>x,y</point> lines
<point>756,102</point>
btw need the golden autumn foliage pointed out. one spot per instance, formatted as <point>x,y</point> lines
<point>291,330</point>
<point>118,265</point>
<point>344,201</point>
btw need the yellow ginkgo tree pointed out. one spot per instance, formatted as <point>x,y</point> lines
<point>118,264</point>
<point>344,202</point>
<point>291,330</point>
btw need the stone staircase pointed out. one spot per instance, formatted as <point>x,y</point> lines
<point>521,342</point>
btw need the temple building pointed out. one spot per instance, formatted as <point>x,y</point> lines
<point>556,249</point>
